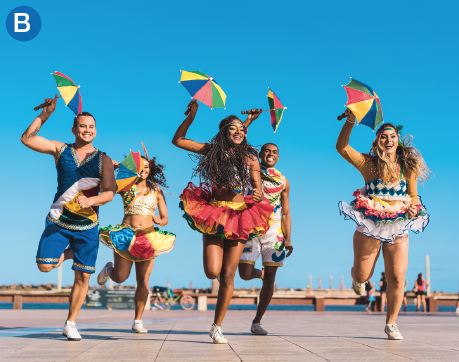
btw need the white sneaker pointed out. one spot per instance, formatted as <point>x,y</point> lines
<point>103,275</point>
<point>137,327</point>
<point>359,288</point>
<point>71,332</point>
<point>393,332</point>
<point>216,334</point>
<point>256,329</point>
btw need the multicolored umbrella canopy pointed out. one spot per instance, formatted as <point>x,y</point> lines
<point>203,88</point>
<point>129,171</point>
<point>276,109</point>
<point>69,91</point>
<point>364,103</point>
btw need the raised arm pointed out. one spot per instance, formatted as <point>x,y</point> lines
<point>286,220</point>
<point>255,169</point>
<point>161,219</point>
<point>342,145</point>
<point>40,144</point>
<point>180,139</point>
<point>108,187</point>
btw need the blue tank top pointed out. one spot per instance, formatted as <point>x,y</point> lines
<point>74,179</point>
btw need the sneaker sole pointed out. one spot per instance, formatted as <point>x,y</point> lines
<point>395,338</point>
<point>71,339</point>
<point>260,333</point>
<point>217,342</point>
<point>140,332</point>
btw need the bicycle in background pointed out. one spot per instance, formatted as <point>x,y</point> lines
<point>163,298</point>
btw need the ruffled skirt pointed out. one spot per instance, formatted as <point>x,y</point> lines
<point>228,220</point>
<point>384,224</point>
<point>137,244</point>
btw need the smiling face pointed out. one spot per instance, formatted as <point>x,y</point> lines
<point>269,155</point>
<point>388,141</point>
<point>85,129</point>
<point>236,132</point>
<point>146,170</point>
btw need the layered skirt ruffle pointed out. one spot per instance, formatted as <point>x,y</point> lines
<point>384,223</point>
<point>226,219</point>
<point>137,244</point>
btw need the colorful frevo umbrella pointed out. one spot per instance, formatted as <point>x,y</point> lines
<point>129,170</point>
<point>203,88</point>
<point>276,109</point>
<point>69,91</point>
<point>364,103</point>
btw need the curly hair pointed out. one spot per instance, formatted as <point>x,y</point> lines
<point>156,175</point>
<point>223,163</point>
<point>410,156</point>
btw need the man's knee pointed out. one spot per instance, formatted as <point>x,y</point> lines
<point>245,271</point>
<point>45,268</point>
<point>269,276</point>
<point>82,277</point>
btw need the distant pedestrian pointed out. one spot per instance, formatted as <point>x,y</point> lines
<point>382,290</point>
<point>405,290</point>
<point>371,298</point>
<point>421,291</point>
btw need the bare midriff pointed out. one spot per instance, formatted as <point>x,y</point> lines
<point>227,195</point>
<point>138,221</point>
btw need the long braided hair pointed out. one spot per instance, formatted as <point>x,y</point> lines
<point>224,163</point>
<point>410,156</point>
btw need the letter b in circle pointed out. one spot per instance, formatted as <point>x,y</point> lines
<point>23,23</point>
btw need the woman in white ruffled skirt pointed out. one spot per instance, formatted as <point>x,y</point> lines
<point>384,209</point>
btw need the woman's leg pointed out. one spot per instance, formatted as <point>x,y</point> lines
<point>142,272</point>
<point>424,306</point>
<point>366,253</point>
<point>418,302</point>
<point>212,255</point>
<point>395,264</point>
<point>232,253</point>
<point>383,301</point>
<point>121,270</point>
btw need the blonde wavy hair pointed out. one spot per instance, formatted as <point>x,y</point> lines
<point>410,156</point>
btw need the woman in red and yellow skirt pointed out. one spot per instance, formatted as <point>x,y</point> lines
<point>224,208</point>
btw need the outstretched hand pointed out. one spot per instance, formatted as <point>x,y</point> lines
<point>192,108</point>
<point>350,116</point>
<point>254,113</point>
<point>51,105</point>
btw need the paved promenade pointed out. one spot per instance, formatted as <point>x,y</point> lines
<point>28,335</point>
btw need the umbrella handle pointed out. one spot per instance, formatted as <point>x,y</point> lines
<point>341,116</point>
<point>250,112</point>
<point>43,105</point>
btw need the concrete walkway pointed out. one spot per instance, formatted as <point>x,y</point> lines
<point>27,335</point>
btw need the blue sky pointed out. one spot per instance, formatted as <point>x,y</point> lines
<point>127,58</point>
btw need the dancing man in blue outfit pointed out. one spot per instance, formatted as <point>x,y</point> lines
<point>85,181</point>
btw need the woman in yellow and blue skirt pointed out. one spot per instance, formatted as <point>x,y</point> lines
<point>137,239</point>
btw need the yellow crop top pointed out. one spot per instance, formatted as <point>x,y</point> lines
<point>142,204</point>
